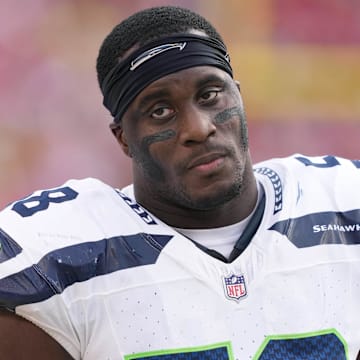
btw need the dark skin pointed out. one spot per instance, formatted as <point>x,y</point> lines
<point>22,340</point>
<point>187,137</point>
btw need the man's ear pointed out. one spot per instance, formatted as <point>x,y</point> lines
<point>120,136</point>
<point>237,82</point>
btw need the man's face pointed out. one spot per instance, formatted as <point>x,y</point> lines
<point>186,134</point>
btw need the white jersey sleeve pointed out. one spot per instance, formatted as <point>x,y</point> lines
<point>68,235</point>
<point>323,198</point>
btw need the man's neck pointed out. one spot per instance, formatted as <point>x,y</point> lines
<point>231,212</point>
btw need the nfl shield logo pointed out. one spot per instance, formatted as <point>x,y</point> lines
<point>234,286</point>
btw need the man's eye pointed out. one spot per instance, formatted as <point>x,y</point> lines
<point>162,112</point>
<point>208,96</point>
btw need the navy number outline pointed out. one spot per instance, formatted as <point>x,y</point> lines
<point>329,161</point>
<point>35,203</point>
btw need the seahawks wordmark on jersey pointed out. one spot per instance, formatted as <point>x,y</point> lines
<point>108,280</point>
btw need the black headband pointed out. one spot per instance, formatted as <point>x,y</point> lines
<point>155,60</point>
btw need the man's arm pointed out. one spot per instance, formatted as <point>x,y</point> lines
<point>20,340</point>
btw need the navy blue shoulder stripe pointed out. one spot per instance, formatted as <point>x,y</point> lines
<point>8,247</point>
<point>64,267</point>
<point>322,228</point>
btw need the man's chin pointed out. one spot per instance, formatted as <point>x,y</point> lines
<point>214,199</point>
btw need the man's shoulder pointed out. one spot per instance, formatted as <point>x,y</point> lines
<point>57,207</point>
<point>74,194</point>
<point>303,185</point>
<point>318,167</point>
<point>71,234</point>
<point>41,199</point>
<point>78,211</point>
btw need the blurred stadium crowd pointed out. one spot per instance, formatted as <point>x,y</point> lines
<point>297,62</point>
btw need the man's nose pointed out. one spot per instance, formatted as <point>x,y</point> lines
<point>196,125</point>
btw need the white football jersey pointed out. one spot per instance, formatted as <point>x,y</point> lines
<point>108,280</point>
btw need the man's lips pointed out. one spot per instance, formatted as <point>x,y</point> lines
<point>206,161</point>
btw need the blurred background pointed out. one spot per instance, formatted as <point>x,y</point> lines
<point>298,63</point>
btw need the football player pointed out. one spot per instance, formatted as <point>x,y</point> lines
<point>205,255</point>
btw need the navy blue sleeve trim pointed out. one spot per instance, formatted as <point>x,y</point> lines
<point>63,267</point>
<point>8,247</point>
<point>323,228</point>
